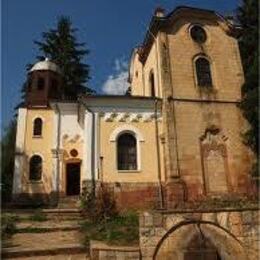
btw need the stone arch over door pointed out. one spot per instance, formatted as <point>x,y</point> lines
<point>178,243</point>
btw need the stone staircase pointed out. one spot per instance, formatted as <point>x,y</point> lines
<point>47,234</point>
<point>69,202</point>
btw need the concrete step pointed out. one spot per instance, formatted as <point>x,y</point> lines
<point>80,256</point>
<point>43,244</point>
<point>55,213</point>
<point>68,249</point>
<point>47,226</point>
<point>69,202</point>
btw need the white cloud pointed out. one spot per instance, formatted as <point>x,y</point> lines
<point>116,84</point>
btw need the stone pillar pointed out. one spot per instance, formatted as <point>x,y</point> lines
<point>54,170</point>
<point>96,145</point>
<point>18,172</point>
<point>57,157</point>
<point>87,148</point>
<point>174,189</point>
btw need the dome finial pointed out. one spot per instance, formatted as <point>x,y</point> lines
<point>46,65</point>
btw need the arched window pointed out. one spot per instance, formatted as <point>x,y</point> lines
<point>126,152</point>
<point>35,173</point>
<point>37,127</point>
<point>203,72</point>
<point>152,85</point>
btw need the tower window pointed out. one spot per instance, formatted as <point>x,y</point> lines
<point>54,88</point>
<point>40,83</point>
<point>37,127</point>
<point>29,85</point>
<point>198,34</point>
<point>35,173</point>
<point>126,152</point>
<point>152,85</point>
<point>203,72</point>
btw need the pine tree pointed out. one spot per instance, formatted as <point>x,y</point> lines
<point>60,45</point>
<point>248,18</point>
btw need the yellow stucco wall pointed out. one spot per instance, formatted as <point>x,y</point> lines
<point>41,146</point>
<point>137,77</point>
<point>152,64</point>
<point>149,166</point>
<point>141,79</point>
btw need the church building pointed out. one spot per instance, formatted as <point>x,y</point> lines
<point>176,138</point>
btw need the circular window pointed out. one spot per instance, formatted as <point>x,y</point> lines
<point>198,34</point>
<point>74,153</point>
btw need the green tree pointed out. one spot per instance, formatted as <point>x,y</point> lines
<point>7,160</point>
<point>248,18</point>
<point>60,45</point>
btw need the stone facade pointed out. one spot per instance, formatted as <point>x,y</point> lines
<point>234,233</point>
<point>204,155</point>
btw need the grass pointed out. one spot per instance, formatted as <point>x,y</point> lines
<point>119,230</point>
<point>38,216</point>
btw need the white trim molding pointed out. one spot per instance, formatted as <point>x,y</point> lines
<point>20,162</point>
<point>126,128</point>
<point>139,138</point>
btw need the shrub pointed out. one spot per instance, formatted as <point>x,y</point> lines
<point>99,206</point>
<point>121,230</point>
<point>8,225</point>
<point>38,216</point>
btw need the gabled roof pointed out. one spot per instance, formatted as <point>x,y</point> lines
<point>158,22</point>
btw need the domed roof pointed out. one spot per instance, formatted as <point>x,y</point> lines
<point>46,65</point>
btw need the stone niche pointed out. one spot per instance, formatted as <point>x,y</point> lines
<point>214,162</point>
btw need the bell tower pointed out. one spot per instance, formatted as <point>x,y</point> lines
<point>44,83</point>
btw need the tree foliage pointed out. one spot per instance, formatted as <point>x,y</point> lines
<point>61,46</point>
<point>248,18</point>
<point>7,160</point>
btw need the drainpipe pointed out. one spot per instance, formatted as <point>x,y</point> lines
<point>58,153</point>
<point>158,154</point>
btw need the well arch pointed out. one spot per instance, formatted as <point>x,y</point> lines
<point>174,244</point>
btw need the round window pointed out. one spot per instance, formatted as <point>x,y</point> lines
<point>198,34</point>
<point>74,153</point>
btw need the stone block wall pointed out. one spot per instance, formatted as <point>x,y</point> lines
<point>235,233</point>
<point>101,251</point>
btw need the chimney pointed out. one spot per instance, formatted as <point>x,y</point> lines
<point>159,12</point>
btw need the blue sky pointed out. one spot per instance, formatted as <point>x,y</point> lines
<point>110,28</point>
